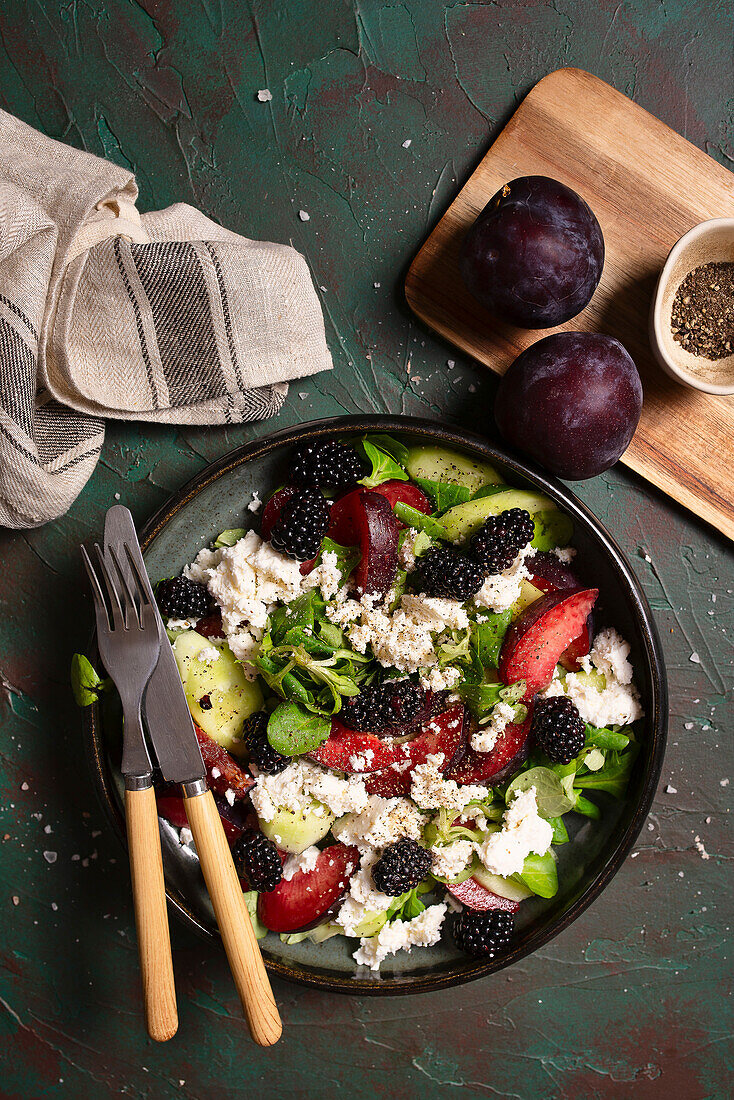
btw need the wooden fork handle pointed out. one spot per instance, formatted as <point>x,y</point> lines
<point>151,917</point>
<point>225,891</point>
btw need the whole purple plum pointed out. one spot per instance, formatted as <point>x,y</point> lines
<point>572,401</point>
<point>535,254</point>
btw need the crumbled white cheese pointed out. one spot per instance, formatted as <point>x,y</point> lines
<point>450,861</point>
<point>298,785</point>
<point>485,737</point>
<point>565,554</point>
<point>208,655</point>
<point>230,796</point>
<point>431,791</point>
<point>362,761</point>
<point>181,624</point>
<point>264,95</point>
<point>618,701</point>
<point>245,645</point>
<point>439,614</point>
<point>363,899</point>
<point>423,931</point>
<point>610,654</point>
<point>247,580</point>
<point>406,557</point>
<point>523,831</point>
<point>382,821</point>
<point>441,679</point>
<point>326,576</point>
<point>501,590</point>
<point>255,504</point>
<point>201,566</point>
<point>305,861</point>
<point>403,639</point>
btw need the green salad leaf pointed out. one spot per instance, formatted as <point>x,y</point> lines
<point>347,557</point>
<point>293,730</point>
<point>444,494</point>
<point>606,738</point>
<point>258,927</point>
<point>86,684</point>
<point>539,874</point>
<point>552,529</point>
<point>391,446</point>
<point>613,776</point>
<point>412,517</point>
<point>550,796</point>
<point>384,466</point>
<point>488,635</point>
<point>229,537</point>
<point>481,699</point>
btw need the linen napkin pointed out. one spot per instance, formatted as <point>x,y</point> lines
<point>105,312</point>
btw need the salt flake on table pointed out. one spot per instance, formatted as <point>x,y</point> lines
<point>694,658</point>
<point>407,143</point>
<point>670,789</point>
<point>50,857</point>
<point>304,216</point>
<point>264,95</point>
<point>700,848</point>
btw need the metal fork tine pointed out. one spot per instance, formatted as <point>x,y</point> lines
<point>118,618</point>
<point>97,594</point>
<point>141,586</point>
<point>131,609</point>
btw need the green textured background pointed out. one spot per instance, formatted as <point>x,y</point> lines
<point>631,1001</point>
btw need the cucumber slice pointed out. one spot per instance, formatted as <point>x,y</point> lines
<point>528,594</point>
<point>324,932</point>
<point>442,464</point>
<point>233,698</point>
<point>465,520</point>
<point>295,831</point>
<point>370,924</point>
<point>552,528</point>
<point>595,678</point>
<point>503,887</point>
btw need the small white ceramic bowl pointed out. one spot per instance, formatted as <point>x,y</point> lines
<point>709,242</point>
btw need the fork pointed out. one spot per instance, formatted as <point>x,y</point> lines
<point>129,645</point>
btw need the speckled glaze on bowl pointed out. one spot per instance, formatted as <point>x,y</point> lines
<point>216,500</point>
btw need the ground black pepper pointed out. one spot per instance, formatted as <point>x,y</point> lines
<point>702,318</point>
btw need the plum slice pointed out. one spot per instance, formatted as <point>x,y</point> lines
<point>536,639</point>
<point>391,762</point>
<point>365,519</point>
<point>404,492</point>
<point>549,574</point>
<point>508,754</point>
<point>310,897</point>
<point>475,896</point>
<point>230,776</point>
<point>444,734</point>
<point>170,805</point>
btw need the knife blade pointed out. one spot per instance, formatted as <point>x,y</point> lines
<point>167,717</point>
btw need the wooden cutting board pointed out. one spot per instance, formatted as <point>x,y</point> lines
<point>647,186</point>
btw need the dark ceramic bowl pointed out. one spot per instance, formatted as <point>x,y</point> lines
<point>214,501</point>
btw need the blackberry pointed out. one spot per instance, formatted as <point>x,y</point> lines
<point>558,729</point>
<point>402,866</point>
<point>501,538</point>
<point>180,598</point>
<point>483,933</point>
<point>328,465</point>
<point>257,861</point>
<point>302,524</point>
<point>446,572</point>
<point>382,707</point>
<point>262,753</point>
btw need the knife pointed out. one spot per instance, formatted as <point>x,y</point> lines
<point>171,732</point>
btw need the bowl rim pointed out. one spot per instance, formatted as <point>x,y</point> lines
<point>443,434</point>
<point>680,374</point>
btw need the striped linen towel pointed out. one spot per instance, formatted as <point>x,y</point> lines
<point>105,312</point>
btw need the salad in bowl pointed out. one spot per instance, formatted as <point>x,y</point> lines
<point>401,697</point>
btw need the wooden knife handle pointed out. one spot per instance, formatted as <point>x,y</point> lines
<point>151,916</point>
<point>225,891</point>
